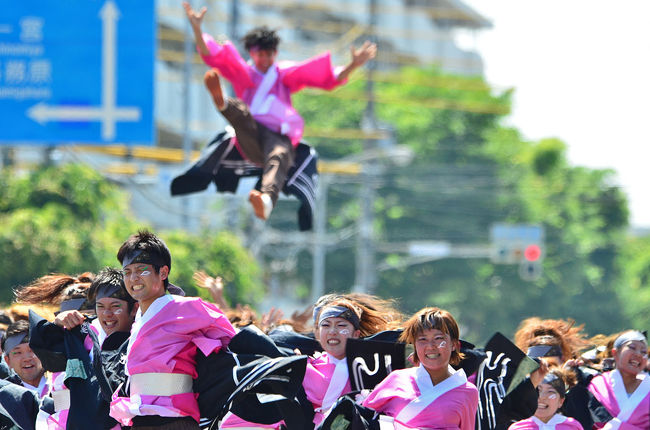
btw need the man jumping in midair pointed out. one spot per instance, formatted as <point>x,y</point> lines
<point>267,127</point>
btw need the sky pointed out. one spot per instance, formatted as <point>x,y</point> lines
<point>581,73</point>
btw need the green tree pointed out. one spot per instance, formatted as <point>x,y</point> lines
<point>469,172</point>
<point>69,219</point>
<point>633,290</point>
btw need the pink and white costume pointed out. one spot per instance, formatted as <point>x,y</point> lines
<point>326,379</point>
<point>165,340</point>
<point>409,396</point>
<point>630,412</point>
<point>269,95</point>
<point>61,395</point>
<point>43,389</point>
<point>557,422</point>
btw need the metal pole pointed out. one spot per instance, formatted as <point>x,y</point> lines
<point>187,140</point>
<point>319,248</point>
<point>365,254</point>
<point>234,22</point>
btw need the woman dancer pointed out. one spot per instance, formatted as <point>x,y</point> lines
<point>432,395</point>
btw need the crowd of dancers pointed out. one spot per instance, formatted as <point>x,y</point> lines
<point>126,348</point>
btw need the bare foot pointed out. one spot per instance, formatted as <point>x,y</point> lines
<point>211,80</point>
<point>262,204</point>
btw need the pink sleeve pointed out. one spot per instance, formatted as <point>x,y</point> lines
<point>469,412</point>
<point>628,426</point>
<point>218,334</point>
<point>226,59</point>
<point>380,396</point>
<point>315,72</point>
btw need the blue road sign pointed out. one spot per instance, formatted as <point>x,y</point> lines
<point>77,71</point>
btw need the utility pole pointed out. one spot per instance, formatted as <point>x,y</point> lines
<point>187,139</point>
<point>365,277</point>
<point>233,25</point>
<point>319,248</point>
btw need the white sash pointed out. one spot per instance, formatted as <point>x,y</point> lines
<point>337,383</point>
<point>550,425</point>
<point>262,93</point>
<point>626,404</point>
<point>141,320</point>
<point>61,399</point>
<point>429,392</point>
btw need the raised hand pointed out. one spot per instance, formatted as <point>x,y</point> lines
<point>196,18</point>
<point>301,319</point>
<point>214,285</point>
<point>69,319</point>
<point>360,56</point>
<point>270,319</point>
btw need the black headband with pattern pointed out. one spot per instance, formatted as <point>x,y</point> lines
<point>544,351</point>
<point>556,382</point>
<point>339,312</point>
<point>629,336</point>
<point>13,341</point>
<point>141,256</point>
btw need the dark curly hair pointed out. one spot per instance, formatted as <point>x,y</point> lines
<point>262,38</point>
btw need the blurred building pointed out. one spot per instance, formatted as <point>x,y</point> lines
<point>408,32</point>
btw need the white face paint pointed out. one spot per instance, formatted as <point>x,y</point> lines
<point>442,344</point>
<point>113,314</point>
<point>333,334</point>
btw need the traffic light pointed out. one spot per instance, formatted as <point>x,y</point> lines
<point>514,243</point>
<point>533,253</point>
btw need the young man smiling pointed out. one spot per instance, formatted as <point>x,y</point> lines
<point>165,337</point>
<point>20,357</point>
<point>267,127</point>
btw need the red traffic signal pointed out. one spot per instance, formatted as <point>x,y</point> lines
<point>532,253</point>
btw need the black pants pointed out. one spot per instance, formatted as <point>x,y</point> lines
<point>260,145</point>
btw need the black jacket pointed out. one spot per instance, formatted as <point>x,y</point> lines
<point>222,164</point>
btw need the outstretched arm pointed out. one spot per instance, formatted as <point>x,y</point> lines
<point>359,56</point>
<point>196,18</point>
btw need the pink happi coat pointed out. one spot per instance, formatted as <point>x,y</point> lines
<point>269,95</point>
<point>409,396</point>
<point>326,379</point>
<point>557,422</point>
<point>164,340</point>
<point>630,412</point>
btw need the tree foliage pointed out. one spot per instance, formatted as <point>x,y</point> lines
<point>469,171</point>
<point>69,219</point>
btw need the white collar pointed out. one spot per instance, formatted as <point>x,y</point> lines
<point>425,383</point>
<point>334,360</point>
<point>153,308</point>
<point>263,89</point>
<point>555,419</point>
<point>429,392</point>
<point>40,388</point>
<point>140,320</point>
<point>252,64</point>
<point>627,403</point>
<point>340,378</point>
